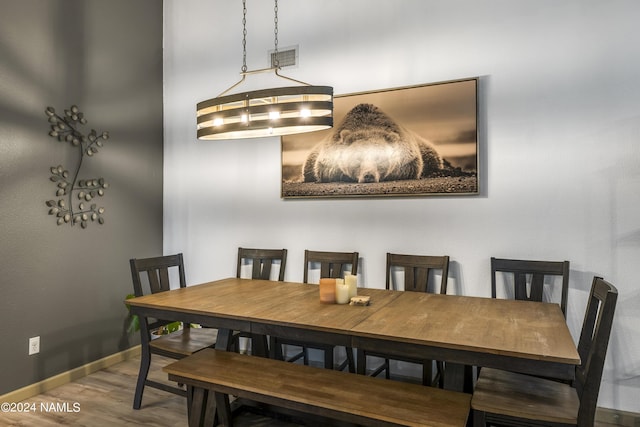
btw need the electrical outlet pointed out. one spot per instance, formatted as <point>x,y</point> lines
<point>34,345</point>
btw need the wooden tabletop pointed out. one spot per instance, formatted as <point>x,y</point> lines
<point>529,336</point>
<point>270,302</point>
<point>522,329</point>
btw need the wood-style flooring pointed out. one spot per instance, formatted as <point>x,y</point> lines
<point>105,398</point>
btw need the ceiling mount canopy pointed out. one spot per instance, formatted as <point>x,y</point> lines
<point>282,110</point>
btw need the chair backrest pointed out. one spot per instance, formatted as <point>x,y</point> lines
<point>262,261</point>
<point>332,264</point>
<point>157,270</point>
<point>417,271</point>
<point>536,271</point>
<point>592,347</point>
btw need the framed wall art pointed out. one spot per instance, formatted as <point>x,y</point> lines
<point>408,141</point>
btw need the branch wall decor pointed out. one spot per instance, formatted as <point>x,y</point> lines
<point>67,129</point>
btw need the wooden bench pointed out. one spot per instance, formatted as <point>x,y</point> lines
<point>327,393</point>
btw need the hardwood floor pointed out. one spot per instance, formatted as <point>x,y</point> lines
<point>105,398</point>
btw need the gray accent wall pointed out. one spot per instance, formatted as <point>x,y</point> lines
<point>63,283</point>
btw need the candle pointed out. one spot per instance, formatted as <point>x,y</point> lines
<point>328,291</point>
<point>342,292</point>
<point>352,283</point>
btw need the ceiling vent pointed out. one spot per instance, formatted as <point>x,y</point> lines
<point>287,57</point>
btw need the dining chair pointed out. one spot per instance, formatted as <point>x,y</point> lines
<point>330,265</point>
<point>507,398</point>
<point>529,279</point>
<point>264,263</point>
<point>156,273</point>
<point>419,272</point>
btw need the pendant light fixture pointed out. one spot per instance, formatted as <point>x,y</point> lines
<point>277,111</point>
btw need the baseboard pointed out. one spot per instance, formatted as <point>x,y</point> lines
<point>617,418</point>
<point>69,376</point>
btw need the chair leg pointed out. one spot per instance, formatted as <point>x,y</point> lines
<point>361,365</point>
<point>328,358</point>
<point>440,373</point>
<point>145,361</point>
<point>275,349</point>
<point>189,401</point>
<point>350,360</point>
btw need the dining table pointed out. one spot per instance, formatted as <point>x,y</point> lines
<point>524,336</point>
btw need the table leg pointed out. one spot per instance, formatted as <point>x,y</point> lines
<point>458,377</point>
<point>259,346</point>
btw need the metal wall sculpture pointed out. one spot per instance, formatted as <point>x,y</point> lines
<point>75,196</point>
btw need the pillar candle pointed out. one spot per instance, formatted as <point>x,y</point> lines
<point>328,291</point>
<point>352,283</point>
<point>342,292</point>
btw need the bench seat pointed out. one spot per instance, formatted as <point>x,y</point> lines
<point>328,393</point>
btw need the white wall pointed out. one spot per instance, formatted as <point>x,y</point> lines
<point>560,123</point>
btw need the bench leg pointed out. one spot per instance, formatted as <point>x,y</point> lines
<point>202,411</point>
<point>224,409</point>
<point>198,403</point>
<point>479,419</point>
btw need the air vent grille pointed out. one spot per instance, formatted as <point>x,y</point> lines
<point>286,58</point>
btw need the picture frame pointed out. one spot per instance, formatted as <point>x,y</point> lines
<point>408,141</point>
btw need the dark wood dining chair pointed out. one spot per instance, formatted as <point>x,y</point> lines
<point>331,265</point>
<point>263,262</point>
<point>529,278</point>
<point>155,273</point>
<point>418,271</point>
<point>507,398</point>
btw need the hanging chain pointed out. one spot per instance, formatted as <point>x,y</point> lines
<point>276,62</point>
<point>244,36</point>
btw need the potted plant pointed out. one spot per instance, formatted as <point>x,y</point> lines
<point>133,323</point>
